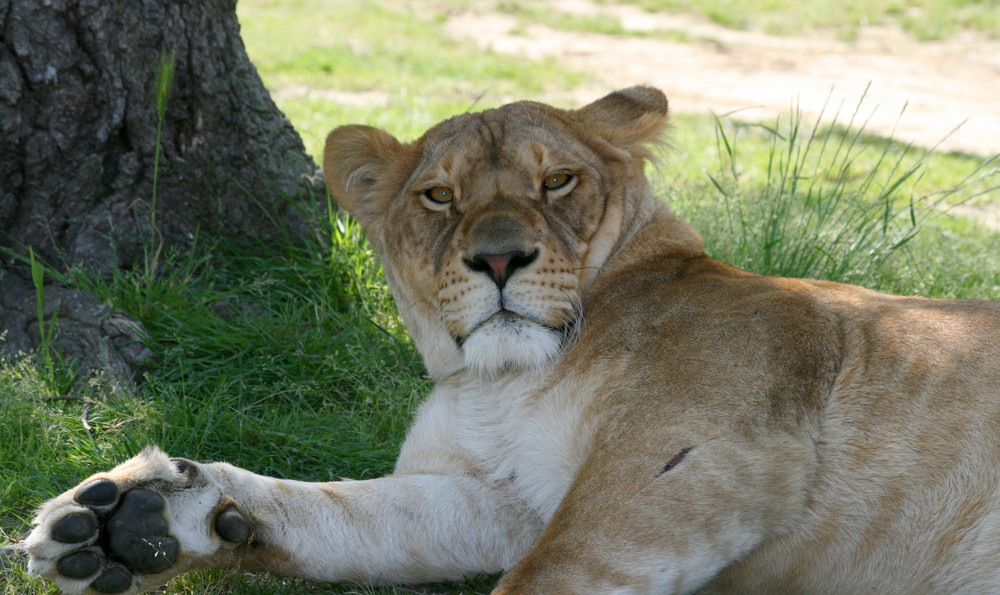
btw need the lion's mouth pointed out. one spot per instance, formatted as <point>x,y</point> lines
<point>509,321</point>
<point>508,341</point>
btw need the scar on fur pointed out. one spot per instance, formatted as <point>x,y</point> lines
<point>676,460</point>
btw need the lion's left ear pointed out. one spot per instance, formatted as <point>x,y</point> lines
<point>627,118</point>
<point>355,159</point>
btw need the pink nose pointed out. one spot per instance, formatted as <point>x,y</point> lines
<point>501,266</point>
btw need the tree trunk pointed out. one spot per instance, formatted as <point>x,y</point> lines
<point>78,143</point>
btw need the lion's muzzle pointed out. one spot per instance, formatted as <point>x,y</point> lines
<point>500,266</point>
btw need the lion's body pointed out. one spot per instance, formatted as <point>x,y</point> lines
<point>614,411</point>
<point>889,457</point>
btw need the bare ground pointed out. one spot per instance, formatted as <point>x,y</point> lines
<point>942,84</point>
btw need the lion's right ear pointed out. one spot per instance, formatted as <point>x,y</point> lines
<point>627,118</point>
<point>355,159</point>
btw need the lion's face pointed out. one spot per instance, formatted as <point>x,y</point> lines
<point>492,225</point>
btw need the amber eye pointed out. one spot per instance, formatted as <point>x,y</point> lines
<point>440,195</point>
<point>555,181</point>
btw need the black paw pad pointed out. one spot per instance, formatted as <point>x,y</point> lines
<point>79,565</point>
<point>99,492</point>
<point>115,580</point>
<point>74,528</point>
<point>231,526</point>
<point>138,533</point>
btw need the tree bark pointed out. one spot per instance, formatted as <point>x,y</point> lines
<point>78,140</point>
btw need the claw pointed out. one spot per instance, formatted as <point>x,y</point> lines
<point>74,528</point>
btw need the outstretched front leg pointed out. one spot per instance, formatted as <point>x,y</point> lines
<point>151,518</point>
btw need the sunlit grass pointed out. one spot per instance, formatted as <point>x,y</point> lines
<point>830,202</point>
<point>923,19</point>
<point>316,54</point>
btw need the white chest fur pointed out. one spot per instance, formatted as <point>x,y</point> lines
<point>519,430</point>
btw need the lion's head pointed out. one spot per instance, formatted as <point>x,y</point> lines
<point>492,225</point>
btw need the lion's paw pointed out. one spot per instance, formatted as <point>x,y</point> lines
<point>134,527</point>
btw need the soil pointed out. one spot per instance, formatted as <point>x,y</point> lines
<point>941,84</point>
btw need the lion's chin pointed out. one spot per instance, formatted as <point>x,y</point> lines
<point>509,342</point>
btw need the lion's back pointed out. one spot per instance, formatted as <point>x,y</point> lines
<point>907,484</point>
<point>900,397</point>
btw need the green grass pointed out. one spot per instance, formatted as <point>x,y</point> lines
<point>290,359</point>
<point>797,199</point>
<point>923,19</point>
<point>289,362</point>
<point>419,74</point>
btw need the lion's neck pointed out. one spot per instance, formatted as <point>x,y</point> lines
<point>654,235</point>
<point>441,355</point>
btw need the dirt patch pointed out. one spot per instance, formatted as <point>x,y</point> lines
<point>940,84</point>
<point>988,214</point>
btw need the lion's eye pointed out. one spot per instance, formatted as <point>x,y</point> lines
<point>556,181</point>
<point>440,195</point>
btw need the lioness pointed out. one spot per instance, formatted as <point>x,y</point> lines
<point>614,412</point>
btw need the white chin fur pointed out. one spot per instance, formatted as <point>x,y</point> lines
<point>503,343</point>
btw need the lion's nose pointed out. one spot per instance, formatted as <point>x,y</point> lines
<point>501,266</point>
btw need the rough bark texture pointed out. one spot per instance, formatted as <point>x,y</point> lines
<point>78,122</point>
<point>88,331</point>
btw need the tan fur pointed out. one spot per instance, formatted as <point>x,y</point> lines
<point>618,413</point>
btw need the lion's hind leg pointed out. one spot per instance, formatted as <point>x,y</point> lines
<point>664,524</point>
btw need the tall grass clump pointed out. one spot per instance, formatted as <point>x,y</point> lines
<point>44,336</point>
<point>825,202</point>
